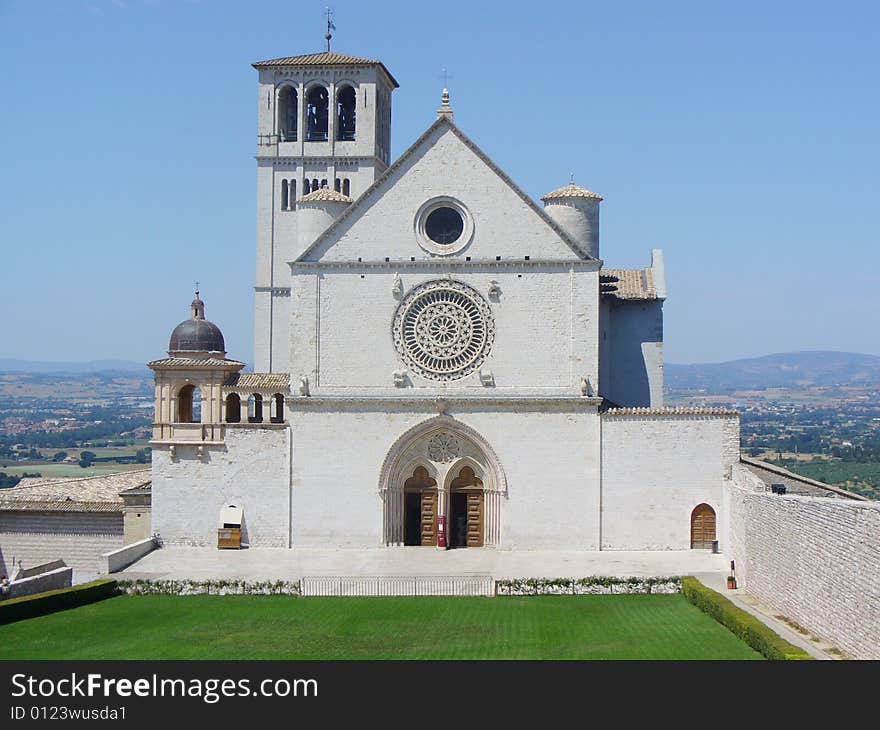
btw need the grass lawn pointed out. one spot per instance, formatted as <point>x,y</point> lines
<point>284,627</point>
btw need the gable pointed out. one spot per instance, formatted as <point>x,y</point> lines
<point>443,164</point>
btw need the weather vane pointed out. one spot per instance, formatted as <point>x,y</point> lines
<point>329,13</point>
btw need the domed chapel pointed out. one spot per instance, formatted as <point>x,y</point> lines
<point>440,360</point>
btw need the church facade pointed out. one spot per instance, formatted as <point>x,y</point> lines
<point>441,361</point>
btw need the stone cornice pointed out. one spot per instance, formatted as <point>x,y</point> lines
<point>307,160</point>
<point>449,263</point>
<point>444,403</point>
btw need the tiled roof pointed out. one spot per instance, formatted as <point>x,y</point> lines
<point>671,412</point>
<point>628,283</point>
<point>84,494</point>
<point>571,191</point>
<point>325,194</point>
<point>325,58</point>
<point>275,382</point>
<point>198,363</point>
<point>795,483</point>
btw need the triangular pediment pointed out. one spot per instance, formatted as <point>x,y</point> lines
<point>443,164</point>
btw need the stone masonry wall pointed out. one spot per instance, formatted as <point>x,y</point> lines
<point>77,538</point>
<point>813,559</point>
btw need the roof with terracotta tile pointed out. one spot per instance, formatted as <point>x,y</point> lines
<point>81,494</point>
<point>324,58</point>
<point>671,412</point>
<point>325,195</point>
<point>195,363</point>
<point>571,191</point>
<point>274,382</point>
<point>629,283</point>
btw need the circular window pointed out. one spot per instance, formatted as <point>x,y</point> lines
<point>443,330</point>
<point>443,226</point>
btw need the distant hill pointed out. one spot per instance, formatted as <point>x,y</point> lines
<point>92,366</point>
<point>784,370</point>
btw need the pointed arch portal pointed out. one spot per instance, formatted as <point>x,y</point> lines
<point>442,471</point>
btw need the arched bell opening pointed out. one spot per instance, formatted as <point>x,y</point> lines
<point>233,408</point>
<point>317,114</point>
<point>189,405</point>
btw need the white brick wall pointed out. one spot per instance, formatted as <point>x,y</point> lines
<point>550,461</point>
<point>655,470</point>
<point>545,321</point>
<point>815,560</point>
<point>77,538</point>
<point>252,471</point>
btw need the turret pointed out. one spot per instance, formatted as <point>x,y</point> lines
<point>576,210</point>
<point>316,211</point>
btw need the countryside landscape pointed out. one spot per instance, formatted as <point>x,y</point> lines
<point>814,413</point>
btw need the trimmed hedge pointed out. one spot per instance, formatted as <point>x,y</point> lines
<point>596,584</point>
<point>756,634</point>
<point>39,604</point>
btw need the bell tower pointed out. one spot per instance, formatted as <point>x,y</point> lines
<point>323,123</point>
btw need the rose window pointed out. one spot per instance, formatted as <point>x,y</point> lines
<point>443,330</point>
<point>443,447</point>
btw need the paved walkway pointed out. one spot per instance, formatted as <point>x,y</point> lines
<point>764,613</point>
<point>281,564</point>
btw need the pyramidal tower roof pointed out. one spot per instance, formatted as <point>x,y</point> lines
<point>324,58</point>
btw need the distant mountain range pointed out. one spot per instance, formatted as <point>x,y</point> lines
<point>784,370</point>
<point>73,368</point>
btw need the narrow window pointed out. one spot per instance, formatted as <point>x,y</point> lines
<point>307,187</point>
<point>292,195</point>
<point>317,111</point>
<point>315,184</point>
<point>285,201</point>
<point>337,185</point>
<point>255,408</point>
<point>346,188</point>
<point>277,415</point>
<point>287,113</point>
<point>323,183</point>
<point>345,114</point>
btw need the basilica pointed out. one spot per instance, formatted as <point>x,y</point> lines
<point>440,360</point>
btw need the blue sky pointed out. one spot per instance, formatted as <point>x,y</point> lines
<point>742,138</point>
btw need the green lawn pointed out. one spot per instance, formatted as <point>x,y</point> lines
<point>284,627</point>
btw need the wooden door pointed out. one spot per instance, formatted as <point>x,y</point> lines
<point>702,527</point>
<point>475,519</point>
<point>429,517</point>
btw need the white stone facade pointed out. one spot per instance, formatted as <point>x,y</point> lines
<point>452,349</point>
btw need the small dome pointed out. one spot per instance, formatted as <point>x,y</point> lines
<point>325,195</point>
<point>196,334</point>
<point>571,191</point>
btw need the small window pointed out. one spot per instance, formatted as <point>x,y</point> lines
<point>285,202</point>
<point>444,225</point>
<point>346,188</point>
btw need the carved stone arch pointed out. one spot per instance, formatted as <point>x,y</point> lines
<point>456,466</point>
<point>438,424</point>
<point>411,450</point>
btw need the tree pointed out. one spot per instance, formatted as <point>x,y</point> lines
<point>59,456</point>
